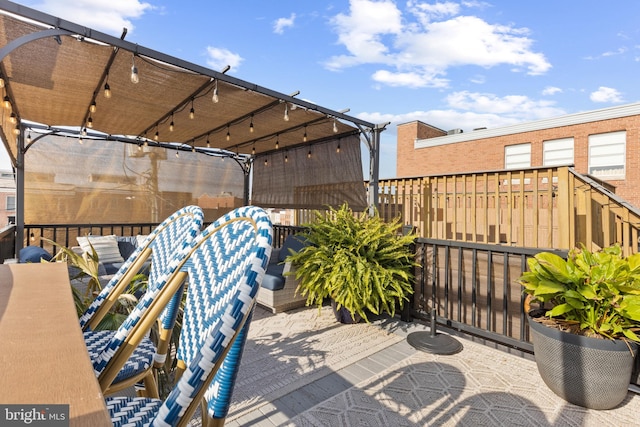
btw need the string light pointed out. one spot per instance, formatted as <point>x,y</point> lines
<point>192,112</point>
<point>93,106</point>
<point>304,137</point>
<point>139,147</point>
<point>90,123</point>
<point>266,161</point>
<point>13,118</point>
<point>208,143</point>
<point>253,150</point>
<point>157,135</point>
<point>286,112</point>
<point>6,102</point>
<point>228,134</point>
<point>171,126</point>
<point>80,141</point>
<point>251,125</point>
<point>309,154</point>
<point>286,158</point>
<point>338,148</point>
<point>84,131</point>
<point>107,88</point>
<point>177,153</point>
<point>335,126</point>
<point>29,138</point>
<point>215,98</point>
<point>277,142</point>
<point>134,70</point>
<point>16,130</point>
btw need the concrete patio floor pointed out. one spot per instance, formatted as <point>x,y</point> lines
<point>398,385</point>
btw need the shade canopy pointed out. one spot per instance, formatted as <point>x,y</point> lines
<point>55,73</point>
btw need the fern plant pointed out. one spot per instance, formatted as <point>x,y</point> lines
<point>362,262</point>
<point>591,293</point>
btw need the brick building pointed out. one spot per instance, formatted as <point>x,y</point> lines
<point>602,143</point>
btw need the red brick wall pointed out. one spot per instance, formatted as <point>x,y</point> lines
<point>488,153</point>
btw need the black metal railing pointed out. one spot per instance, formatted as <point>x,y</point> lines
<point>476,289</point>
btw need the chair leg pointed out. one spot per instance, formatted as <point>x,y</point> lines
<point>207,421</point>
<point>150,386</point>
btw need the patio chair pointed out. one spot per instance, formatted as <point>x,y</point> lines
<point>174,235</point>
<point>225,270</point>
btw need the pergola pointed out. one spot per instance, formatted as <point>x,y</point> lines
<point>61,77</point>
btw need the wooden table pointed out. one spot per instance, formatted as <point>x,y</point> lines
<point>43,358</point>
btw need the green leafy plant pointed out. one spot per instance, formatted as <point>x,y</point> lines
<point>362,262</point>
<point>87,264</point>
<point>591,293</point>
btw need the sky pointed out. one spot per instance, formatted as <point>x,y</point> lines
<point>450,64</point>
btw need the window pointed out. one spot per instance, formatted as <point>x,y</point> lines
<point>517,156</point>
<point>557,152</point>
<point>11,203</point>
<point>607,152</point>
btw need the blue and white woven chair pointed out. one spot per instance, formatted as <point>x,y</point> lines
<point>123,357</point>
<point>225,269</point>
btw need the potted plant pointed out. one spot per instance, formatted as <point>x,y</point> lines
<point>586,340</point>
<point>365,265</point>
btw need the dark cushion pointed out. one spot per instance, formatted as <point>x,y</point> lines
<point>111,267</point>
<point>126,245</point>
<point>273,279</point>
<point>292,242</point>
<point>34,254</point>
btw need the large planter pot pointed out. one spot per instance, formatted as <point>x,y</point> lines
<point>589,372</point>
<point>343,315</point>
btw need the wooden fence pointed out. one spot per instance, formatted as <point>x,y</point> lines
<point>536,208</point>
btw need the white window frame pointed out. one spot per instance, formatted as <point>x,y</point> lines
<point>13,205</point>
<point>608,155</point>
<point>558,152</point>
<point>517,156</point>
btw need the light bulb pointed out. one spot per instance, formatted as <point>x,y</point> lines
<point>177,154</point>
<point>214,98</point>
<point>171,126</point>
<point>286,158</point>
<point>251,125</point>
<point>253,150</point>
<point>286,112</point>
<point>192,113</point>
<point>107,91</point>
<point>80,141</point>
<point>156,136</point>
<point>13,119</point>
<point>266,162</point>
<point>139,147</point>
<point>16,130</point>
<point>277,144</point>
<point>29,138</point>
<point>6,102</point>
<point>84,131</point>
<point>208,143</point>
<point>309,154</point>
<point>228,135</point>
<point>135,79</point>
<point>304,137</point>
<point>92,107</point>
<point>1,82</point>
<point>335,127</point>
<point>338,149</point>
<point>90,122</point>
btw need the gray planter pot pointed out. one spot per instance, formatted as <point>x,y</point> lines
<point>589,372</point>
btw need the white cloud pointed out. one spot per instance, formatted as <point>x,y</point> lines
<point>282,23</point>
<point>427,41</point>
<point>606,94</point>
<point>470,110</point>
<point>219,58</point>
<point>551,90</point>
<point>109,16</point>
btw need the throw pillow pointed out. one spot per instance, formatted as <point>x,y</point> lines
<point>105,246</point>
